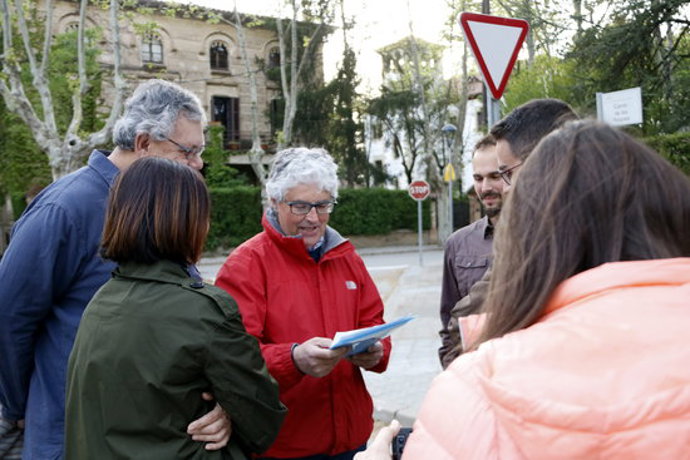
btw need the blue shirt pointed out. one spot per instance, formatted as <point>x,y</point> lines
<point>48,274</point>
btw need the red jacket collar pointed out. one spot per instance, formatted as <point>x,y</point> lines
<point>295,246</point>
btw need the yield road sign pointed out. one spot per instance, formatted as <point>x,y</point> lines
<point>495,42</point>
<point>419,190</point>
<point>449,173</point>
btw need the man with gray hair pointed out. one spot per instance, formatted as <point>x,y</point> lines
<point>296,284</point>
<point>51,268</point>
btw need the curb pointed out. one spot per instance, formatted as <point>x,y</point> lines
<point>387,415</point>
<point>396,249</point>
<point>364,251</point>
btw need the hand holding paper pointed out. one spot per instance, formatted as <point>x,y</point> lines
<point>368,358</point>
<point>361,339</point>
<point>315,358</point>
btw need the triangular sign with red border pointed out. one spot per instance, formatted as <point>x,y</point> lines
<point>495,42</point>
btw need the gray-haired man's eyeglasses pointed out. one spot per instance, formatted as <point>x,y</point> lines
<point>188,151</point>
<point>304,207</point>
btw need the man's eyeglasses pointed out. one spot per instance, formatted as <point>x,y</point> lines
<point>507,174</point>
<point>188,151</point>
<point>301,208</point>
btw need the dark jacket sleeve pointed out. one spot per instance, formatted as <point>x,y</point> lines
<point>37,267</point>
<point>468,305</point>
<point>242,385</point>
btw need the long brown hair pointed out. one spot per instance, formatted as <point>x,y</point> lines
<point>158,209</point>
<point>587,195</point>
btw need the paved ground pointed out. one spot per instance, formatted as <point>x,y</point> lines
<point>406,288</point>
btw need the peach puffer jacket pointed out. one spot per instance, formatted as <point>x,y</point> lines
<point>604,374</point>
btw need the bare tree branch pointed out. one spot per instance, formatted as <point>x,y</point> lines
<point>39,81</point>
<point>80,90</point>
<point>48,36</point>
<point>102,136</point>
<point>256,153</point>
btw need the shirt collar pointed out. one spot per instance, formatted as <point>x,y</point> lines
<point>488,230</point>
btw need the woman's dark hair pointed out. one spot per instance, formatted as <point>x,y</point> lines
<point>589,194</point>
<point>158,209</point>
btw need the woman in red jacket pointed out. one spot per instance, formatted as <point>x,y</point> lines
<point>297,283</point>
<point>583,352</point>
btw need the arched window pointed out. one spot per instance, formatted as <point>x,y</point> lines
<point>72,27</point>
<point>152,49</point>
<point>274,58</point>
<point>219,55</point>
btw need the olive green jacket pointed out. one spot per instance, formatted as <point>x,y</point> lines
<point>150,342</point>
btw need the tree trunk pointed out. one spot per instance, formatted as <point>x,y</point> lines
<point>292,87</point>
<point>256,153</point>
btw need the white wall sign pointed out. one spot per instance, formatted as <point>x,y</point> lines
<point>620,108</point>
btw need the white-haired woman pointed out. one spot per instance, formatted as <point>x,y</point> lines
<point>297,283</point>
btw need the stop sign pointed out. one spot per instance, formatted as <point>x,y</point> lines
<point>419,190</point>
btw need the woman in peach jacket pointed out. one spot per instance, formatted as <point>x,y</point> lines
<point>583,351</point>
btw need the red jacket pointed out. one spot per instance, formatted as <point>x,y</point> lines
<point>603,374</point>
<point>285,298</point>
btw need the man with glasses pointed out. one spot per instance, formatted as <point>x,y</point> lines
<point>468,252</point>
<point>516,136</point>
<point>52,266</point>
<point>297,283</point>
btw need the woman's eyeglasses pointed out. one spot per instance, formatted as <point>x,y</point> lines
<point>304,207</point>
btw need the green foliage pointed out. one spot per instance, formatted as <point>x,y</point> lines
<point>217,172</point>
<point>346,131</point>
<point>640,43</point>
<point>645,44</point>
<point>413,133</point>
<point>376,211</point>
<point>674,147</point>
<point>547,77</point>
<point>22,163</point>
<point>327,117</point>
<point>18,204</point>
<point>236,214</point>
<point>64,79</point>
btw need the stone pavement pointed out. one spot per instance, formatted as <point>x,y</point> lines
<point>406,288</point>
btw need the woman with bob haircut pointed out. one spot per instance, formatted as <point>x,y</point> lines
<point>583,352</point>
<point>155,337</point>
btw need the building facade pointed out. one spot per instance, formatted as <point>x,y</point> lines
<point>201,55</point>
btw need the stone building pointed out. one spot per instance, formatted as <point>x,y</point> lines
<point>200,55</point>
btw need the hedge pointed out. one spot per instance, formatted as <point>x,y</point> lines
<point>236,214</point>
<point>674,147</point>
<point>376,211</point>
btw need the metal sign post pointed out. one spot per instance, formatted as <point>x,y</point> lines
<point>419,190</point>
<point>494,112</point>
<point>419,232</point>
<point>449,176</point>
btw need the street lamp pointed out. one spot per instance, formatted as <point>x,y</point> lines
<point>448,132</point>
